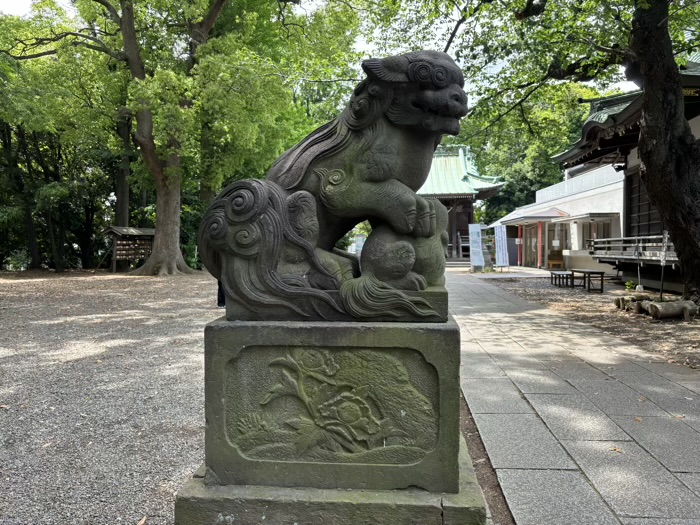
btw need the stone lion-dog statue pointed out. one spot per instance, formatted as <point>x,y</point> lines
<point>272,242</point>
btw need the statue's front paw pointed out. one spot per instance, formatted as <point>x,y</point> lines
<point>425,224</point>
<point>408,224</point>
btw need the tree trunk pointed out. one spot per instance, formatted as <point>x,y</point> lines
<point>32,245</point>
<point>166,258</point>
<point>55,253</point>
<point>669,152</point>
<point>684,309</point>
<point>207,194</point>
<point>86,239</point>
<point>124,171</point>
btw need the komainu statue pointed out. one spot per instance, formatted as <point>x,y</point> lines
<point>272,242</point>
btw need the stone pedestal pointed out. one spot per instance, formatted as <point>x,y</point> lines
<point>331,422</point>
<point>201,504</point>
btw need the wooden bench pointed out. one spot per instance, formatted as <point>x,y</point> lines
<point>587,277</point>
<point>555,259</point>
<point>561,278</point>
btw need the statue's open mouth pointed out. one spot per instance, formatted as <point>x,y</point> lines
<point>443,114</point>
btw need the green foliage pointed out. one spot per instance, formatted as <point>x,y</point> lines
<point>630,285</point>
<point>514,67</point>
<point>518,147</point>
<point>224,111</point>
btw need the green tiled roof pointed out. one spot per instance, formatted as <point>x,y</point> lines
<point>454,174</point>
<point>604,114</point>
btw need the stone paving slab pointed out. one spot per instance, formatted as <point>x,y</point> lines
<point>573,417</point>
<point>521,441</point>
<point>539,381</point>
<point>481,367</point>
<point>616,398</point>
<point>670,396</point>
<point>540,497</point>
<point>578,372</point>
<point>611,384</point>
<point>691,480</point>
<point>673,443</point>
<point>632,482</point>
<point>658,521</point>
<point>493,396</point>
<point>519,360</point>
<point>693,386</point>
<point>674,372</point>
<point>692,421</point>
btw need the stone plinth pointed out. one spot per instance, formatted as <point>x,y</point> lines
<point>201,504</point>
<point>333,405</point>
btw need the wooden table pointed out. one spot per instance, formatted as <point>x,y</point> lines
<point>587,277</point>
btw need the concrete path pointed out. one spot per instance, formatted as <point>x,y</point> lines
<point>582,428</point>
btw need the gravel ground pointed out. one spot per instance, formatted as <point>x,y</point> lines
<point>675,339</point>
<point>101,395</point>
<point>101,387</point>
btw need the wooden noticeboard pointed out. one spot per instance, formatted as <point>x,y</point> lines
<point>130,244</point>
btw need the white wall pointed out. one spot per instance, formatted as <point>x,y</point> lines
<point>695,126</point>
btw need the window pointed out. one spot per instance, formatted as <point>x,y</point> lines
<point>642,217</point>
<point>595,230</point>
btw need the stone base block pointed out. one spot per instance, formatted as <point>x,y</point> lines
<point>200,504</point>
<point>369,406</point>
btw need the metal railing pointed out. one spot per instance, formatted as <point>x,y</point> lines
<point>581,183</point>
<point>646,249</point>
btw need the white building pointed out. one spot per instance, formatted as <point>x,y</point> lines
<point>552,232</point>
<point>601,215</point>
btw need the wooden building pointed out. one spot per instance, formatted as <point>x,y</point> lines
<point>456,183</point>
<point>610,137</point>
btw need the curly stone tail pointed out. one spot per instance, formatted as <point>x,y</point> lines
<point>367,296</point>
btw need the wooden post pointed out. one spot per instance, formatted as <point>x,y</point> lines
<point>520,246</point>
<point>453,229</point>
<point>539,245</point>
<point>114,253</point>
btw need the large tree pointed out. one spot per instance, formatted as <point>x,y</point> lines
<point>210,85</point>
<point>510,49</point>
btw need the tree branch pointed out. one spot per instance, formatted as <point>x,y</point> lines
<point>97,45</point>
<point>621,51</point>
<point>209,20</point>
<point>29,57</point>
<point>512,108</point>
<point>111,10</point>
<point>582,71</point>
<point>532,8</point>
<point>462,19</point>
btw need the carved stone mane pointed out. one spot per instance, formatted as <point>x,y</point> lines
<point>271,242</point>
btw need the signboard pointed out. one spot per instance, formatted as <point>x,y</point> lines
<point>360,239</point>
<point>475,249</point>
<point>501,246</point>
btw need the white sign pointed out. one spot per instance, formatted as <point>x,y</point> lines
<point>475,250</point>
<point>501,246</point>
<point>360,239</point>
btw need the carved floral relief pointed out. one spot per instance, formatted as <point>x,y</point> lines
<point>317,411</point>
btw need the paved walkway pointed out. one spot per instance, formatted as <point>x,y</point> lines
<point>582,428</point>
